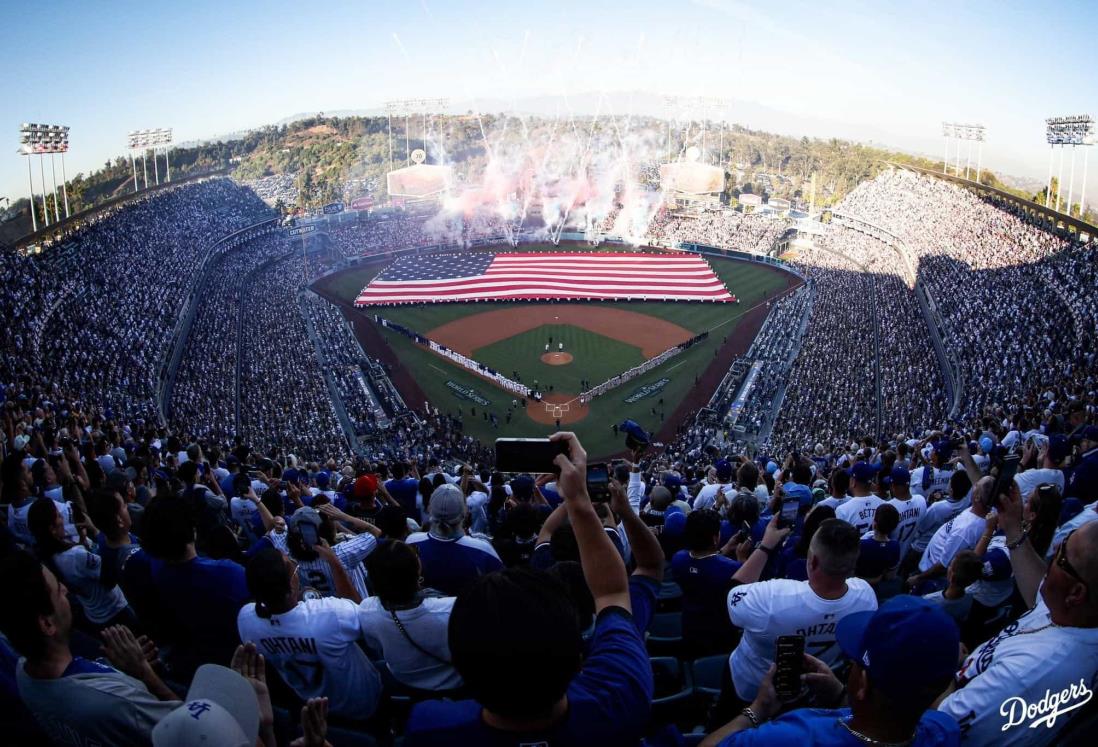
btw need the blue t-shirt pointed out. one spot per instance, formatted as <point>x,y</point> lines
<point>197,604</point>
<point>875,558</point>
<point>608,701</point>
<point>821,728</point>
<point>705,583</point>
<point>404,492</point>
<point>643,593</point>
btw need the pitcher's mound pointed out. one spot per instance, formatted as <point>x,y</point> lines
<point>569,409</point>
<point>556,359</point>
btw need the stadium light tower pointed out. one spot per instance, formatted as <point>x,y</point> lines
<point>1073,130</point>
<point>40,140</point>
<point>947,133</point>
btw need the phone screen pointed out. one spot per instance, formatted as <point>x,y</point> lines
<point>1007,470</point>
<point>789,661</point>
<point>598,482</point>
<point>789,513</point>
<point>534,455</point>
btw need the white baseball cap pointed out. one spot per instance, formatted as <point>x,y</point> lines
<point>221,709</point>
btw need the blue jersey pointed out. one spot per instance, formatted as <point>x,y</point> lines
<point>824,728</point>
<point>705,583</point>
<point>608,701</point>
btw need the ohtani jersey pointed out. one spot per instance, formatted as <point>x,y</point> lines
<point>313,647</point>
<point>768,609</point>
<point>351,552</point>
<point>910,512</point>
<point>1014,672</point>
<point>859,512</point>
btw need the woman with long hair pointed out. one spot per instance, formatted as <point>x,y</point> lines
<point>407,624</point>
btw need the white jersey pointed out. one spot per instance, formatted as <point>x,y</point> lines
<point>427,625</point>
<point>1002,679</point>
<point>859,512</point>
<point>962,532</point>
<point>351,552</point>
<point>768,609</point>
<point>243,512</point>
<point>936,515</point>
<point>911,511</point>
<point>17,522</point>
<point>314,648</point>
<point>80,570</point>
<point>938,481</point>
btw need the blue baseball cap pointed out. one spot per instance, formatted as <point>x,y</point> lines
<point>907,643</point>
<point>322,479</point>
<point>864,472</point>
<point>674,522</point>
<point>1090,433</point>
<point>1058,447</point>
<point>724,470</point>
<point>802,493</point>
<point>289,475</point>
<point>987,443</point>
<point>996,565</point>
<point>899,475</point>
<point>771,466</point>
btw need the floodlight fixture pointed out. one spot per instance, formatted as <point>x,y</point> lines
<point>40,140</point>
<point>1073,130</point>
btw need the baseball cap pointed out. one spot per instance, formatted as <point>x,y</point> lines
<point>289,475</point>
<point>21,441</point>
<point>996,566</point>
<point>864,472</point>
<point>899,475</point>
<point>987,443</point>
<point>447,504</point>
<point>1090,433</point>
<point>794,490</point>
<point>1058,447</point>
<point>771,466</point>
<point>304,515</point>
<point>724,470</point>
<point>907,643</point>
<point>365,487</point>
<point>221,709</point>
<point>322,479</point>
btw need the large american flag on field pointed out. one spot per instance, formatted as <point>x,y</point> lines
<point>539,276</point>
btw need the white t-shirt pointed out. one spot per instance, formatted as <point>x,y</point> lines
<point>1017,668</point>
<point>80,570</point>
<point>833,501</point>
<point>313,647</point>
<point>962,532</point>
<point>859,512</point>
<point>707,496</point>
<point>1031,478</point>
<point>426,625</point>
<point>1087,515</point>
<point>17,522</point>
<point>768,609</point>
<point>911,511</point>
<point>936,515</point>
<point>351,552</point>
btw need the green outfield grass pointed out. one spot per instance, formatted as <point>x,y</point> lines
<point>748,281</point>
<point>595,357</point>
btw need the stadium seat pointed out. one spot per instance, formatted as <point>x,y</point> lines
<point>708,672</point>
<point>669,597</point>
<point>665,634</point>
<point>673,692</point>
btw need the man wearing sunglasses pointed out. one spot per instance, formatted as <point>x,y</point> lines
<point>1020,687</point>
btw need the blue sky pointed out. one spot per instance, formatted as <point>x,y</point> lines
<point>886,71</point>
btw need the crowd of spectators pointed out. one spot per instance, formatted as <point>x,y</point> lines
<point>169,588</point>
<point>754,232</point>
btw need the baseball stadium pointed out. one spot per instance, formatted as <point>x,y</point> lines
<point>698,375</point>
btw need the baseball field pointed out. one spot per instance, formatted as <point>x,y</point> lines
<point>563,348</point>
